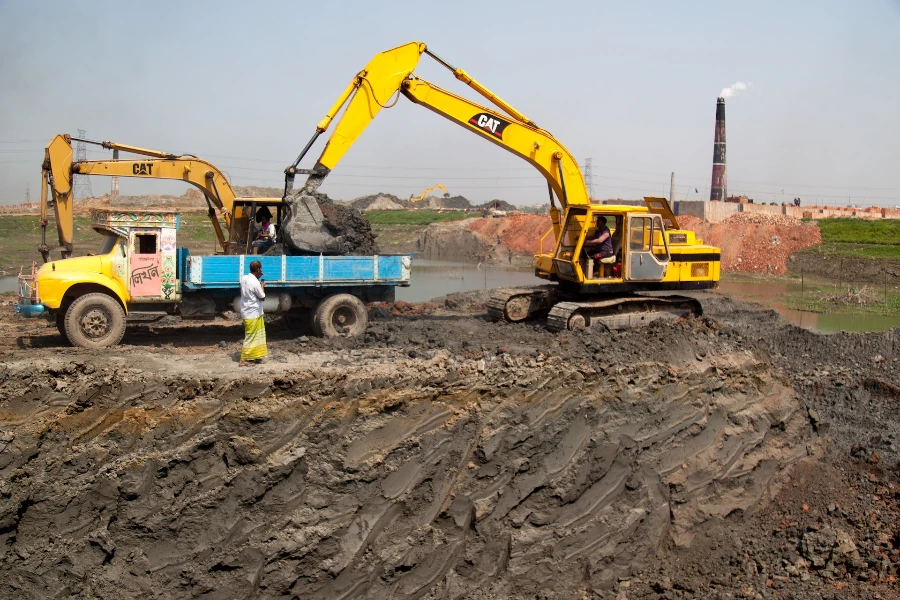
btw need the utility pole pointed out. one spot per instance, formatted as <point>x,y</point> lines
<point>81,188</point>
<point>114,190</point>
<point>589,175</point>
<point>28,194</point>
<point>672,189</point>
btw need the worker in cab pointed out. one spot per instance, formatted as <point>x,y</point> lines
<point>599,246</point>
<point>265,239</point>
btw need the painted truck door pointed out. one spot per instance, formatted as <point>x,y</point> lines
<point>145,279</point>
<point>648,253</point>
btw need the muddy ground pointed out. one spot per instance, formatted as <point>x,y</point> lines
<point>445,456</point>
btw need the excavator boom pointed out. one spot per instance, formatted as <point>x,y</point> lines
<point>58,169</point>
<point>378,86</point>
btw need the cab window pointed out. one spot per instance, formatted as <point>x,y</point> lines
<point>145,243</point>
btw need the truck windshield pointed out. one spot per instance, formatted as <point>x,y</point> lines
<point>109,242</point>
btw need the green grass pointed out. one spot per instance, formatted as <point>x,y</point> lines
<point>872,251</point>
<point>882,232</point>
<point>859,238</point>
<point>416,217</point>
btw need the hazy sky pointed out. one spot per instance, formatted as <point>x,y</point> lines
<point>631,85</point>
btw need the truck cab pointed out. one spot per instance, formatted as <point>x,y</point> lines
<point>140,273</point>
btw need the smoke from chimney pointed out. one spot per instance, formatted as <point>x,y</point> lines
<point>718,190</point>
<point>734,88</point>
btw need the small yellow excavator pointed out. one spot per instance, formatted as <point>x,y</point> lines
<point>653,253</point>
<point>232,217</point>
<point>421,196</point>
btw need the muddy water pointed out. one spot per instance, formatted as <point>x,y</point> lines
<point>772,294</point>
<point>431,279</point>
<point>9,284</point>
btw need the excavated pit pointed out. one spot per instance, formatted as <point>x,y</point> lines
<point>443,456</point>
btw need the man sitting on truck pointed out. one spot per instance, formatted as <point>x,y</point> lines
<point>252,294</point>
<point>266,237</point>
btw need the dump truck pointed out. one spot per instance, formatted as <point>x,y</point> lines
<point>140,273</point>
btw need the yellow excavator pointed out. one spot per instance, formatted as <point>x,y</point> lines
<point>653,254</point>
<point>233,231</point>
<point>421,196</point>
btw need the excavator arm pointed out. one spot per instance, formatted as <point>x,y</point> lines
<point>58,169</point>
<point>421,196</point>
<point>379,85</point>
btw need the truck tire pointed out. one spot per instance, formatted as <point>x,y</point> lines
<point>95,321</point>
<point>340,315</point>
<point>61,323</point>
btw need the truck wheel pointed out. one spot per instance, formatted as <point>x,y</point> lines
<point>95,321</point>
<point>61,322</point>
<point>340,315</point>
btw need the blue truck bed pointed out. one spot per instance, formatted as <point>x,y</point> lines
<point>224,272</point>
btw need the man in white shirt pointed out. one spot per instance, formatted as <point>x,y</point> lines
<point>252,294</point>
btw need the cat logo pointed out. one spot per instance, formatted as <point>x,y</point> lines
<point>142,169</point>
<point>490,124</point>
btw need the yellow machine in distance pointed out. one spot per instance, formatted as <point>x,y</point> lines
<point>658,256</point>
<point>421,196</point>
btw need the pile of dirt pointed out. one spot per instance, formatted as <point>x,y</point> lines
<point>454,458</point>
<point>444,455</point>
<point>345,221</point>
<point>384,204</point>
<point>762,219</point>
<point>521,233</point>
<point>498,204</point>
<point>755,243</point>
<point>364,203</point>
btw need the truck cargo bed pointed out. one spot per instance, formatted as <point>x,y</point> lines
<point>215,272</point>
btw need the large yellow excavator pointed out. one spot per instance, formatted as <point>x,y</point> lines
<point>651,253</point>
<point>439,186</point>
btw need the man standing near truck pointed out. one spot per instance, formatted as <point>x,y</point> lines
<point>252,294</point>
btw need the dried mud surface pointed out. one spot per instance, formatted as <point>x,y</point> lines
<point>445,456</point>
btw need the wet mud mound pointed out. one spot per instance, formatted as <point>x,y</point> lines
<point>490,462</point>
<point>344,221</point>
<point>348,222</point>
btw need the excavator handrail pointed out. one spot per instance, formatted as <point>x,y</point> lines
<point>541,241</point>
<point>59,167</point>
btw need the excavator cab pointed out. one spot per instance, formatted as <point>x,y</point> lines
<point>246,219</point>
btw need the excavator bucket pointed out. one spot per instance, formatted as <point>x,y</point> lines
<point>304,229</point>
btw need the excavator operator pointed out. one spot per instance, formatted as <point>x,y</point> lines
<point>601,247</point>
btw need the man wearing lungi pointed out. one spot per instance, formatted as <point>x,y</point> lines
<point>252,295</point>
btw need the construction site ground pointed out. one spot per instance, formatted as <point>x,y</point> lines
<point>446,456</point>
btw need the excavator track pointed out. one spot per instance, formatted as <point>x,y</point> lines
<point>620,313</point>
<point>519,304</point>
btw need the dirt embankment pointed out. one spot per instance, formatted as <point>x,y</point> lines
<point>478,237</point>
<point>446,456</point>
<point>749,242</point>
<point>755,243</point>
<point>854,269</point>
